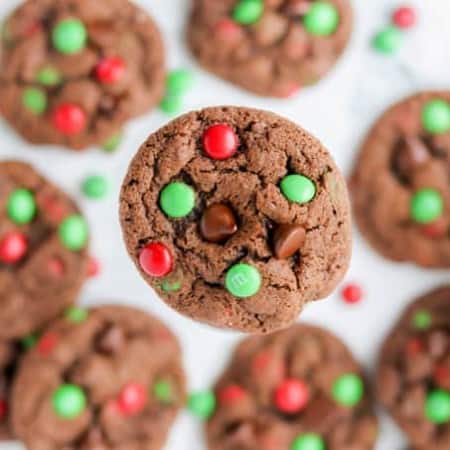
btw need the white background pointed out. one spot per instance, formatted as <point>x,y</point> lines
<point>338,111</point>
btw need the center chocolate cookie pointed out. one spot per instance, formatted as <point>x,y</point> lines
<point>43,250</point>
<point>110,379</point>
<point>72,72</point>
<point>299,389</point>
<point>270,47</point>
<point>400,185</point>
<point>414,371</point>
<point>237,217</point>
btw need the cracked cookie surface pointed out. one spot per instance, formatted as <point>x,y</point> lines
<point>400,185</point>
<point>271,47</point>
<point>109,378</point>
<point>43,250</point>
<point>296,389</point>
<point>236,217</point>
<point>72,72</point>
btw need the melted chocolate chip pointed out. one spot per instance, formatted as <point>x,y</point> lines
<point>410,154</point>
<point>112,340</point>
<point>287,240</point>
<point>218,223</point>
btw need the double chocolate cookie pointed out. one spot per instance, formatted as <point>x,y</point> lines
<point>414,371</point>
<point>400,185</point>
<point>269,47</point>
<point>43,250</point>
<point>110,378</point>
<point>72,72</point>
<point>299,389</point>
<point>237,217</point>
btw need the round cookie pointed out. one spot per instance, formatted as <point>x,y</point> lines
<point>299,389</point>
<point>413,378</point>
<point>43,250</point>
<point>269,47</point>
<point>110,378</point>
<point>73,72</point>
<point>400,186</point>
<point>237,217</point>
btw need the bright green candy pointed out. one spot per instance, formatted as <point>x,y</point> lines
<point>426,206</point>
<point>69,36</point>
<point>308,441</point>
<point>163,391</point>
<point>49,76</point>
<point>243,280</point>
<point>247,12</point>
<point>34,100</point>
<point>112,144</point>
<point>422,320</point>
<point>69,401</point>
<point>348,390</point>
<point>73,232</point>
<point>170,286</point>
<point>202,404</point>
<point>179,82</point>
<point>76,315</point>
<point>177,199</point>
<point>298,188</point>
<point>171,104</point>
<point>388,40</point>
<point>21,206</point>
<point>95,186</point>
<point>436,117</point>
<point>322,19</point>
<point>29,341</point>
<point>437,407</point>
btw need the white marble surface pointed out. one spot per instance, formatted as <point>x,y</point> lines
<point>339,111</point>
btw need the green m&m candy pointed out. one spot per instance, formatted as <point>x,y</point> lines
<point>95,186</point>
<point>202,404</point>
<point>348,390</point>
<point>73,232</point>
<point>75,314</point>
<point>308,441</point>
<point>436,116</point>
<point>21,206</point>
<point>49,76</point>
<point>247,12</point>
<point>177,200</point>
<point>243,280</point>
<point>388,40</point>
<point>322,19</point>
<point>298,188</point>
<point>171,104</point>
<point>68,401</point>
<point>162,390</point>
<point>29,341</point>
<point>437,407</point>
<point>69,36</point>
<point>422,320</point>
<point>179,82</point>
<point>426,206</point>
<point>34,100</point>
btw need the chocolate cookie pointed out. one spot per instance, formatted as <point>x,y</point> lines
<point>400,185</point>
<point>43,254</point>
<point>414,371</point>
<point>74,71</point>
<point>237,217</point>
<point>269,47</point>
<point>110,378</point>
<point>299,389</point>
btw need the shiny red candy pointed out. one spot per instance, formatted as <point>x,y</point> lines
<point>110,70</point>
<point>69,119</point>
<point>13,247</point>
<point>156,260</point>
<point>352,293</point>
<point>404,17</point>
<point>228,29</point>
<point>220,142</point>
<point>231,394</point>
<point>414,347</point>
<point>132,399</point>
<point>56,267</point>
<point>47,343</point>
<point>291,396</point>
<point>441,376</point>
<point>93,267</point>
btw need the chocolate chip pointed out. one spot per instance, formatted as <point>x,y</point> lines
<point>411,153</point>
<point>287,240</point>
<point>112,340</point>
<point>296,7</point>
<point>438,343</point>
<point>218,223</point>
<point>94,440</point>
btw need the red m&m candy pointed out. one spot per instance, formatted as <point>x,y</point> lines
<point>291,396</point>
<point>132,399</point>
<point>110,70</point>
<point>156,260</point>
<point>69,119</point>
<point>231,394</point>
<point>93,267</point>
<point>13,247</point>
<point>404,17</point>
<point>352,293</point>
<point>220,142</point>
<point>47,343</point>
